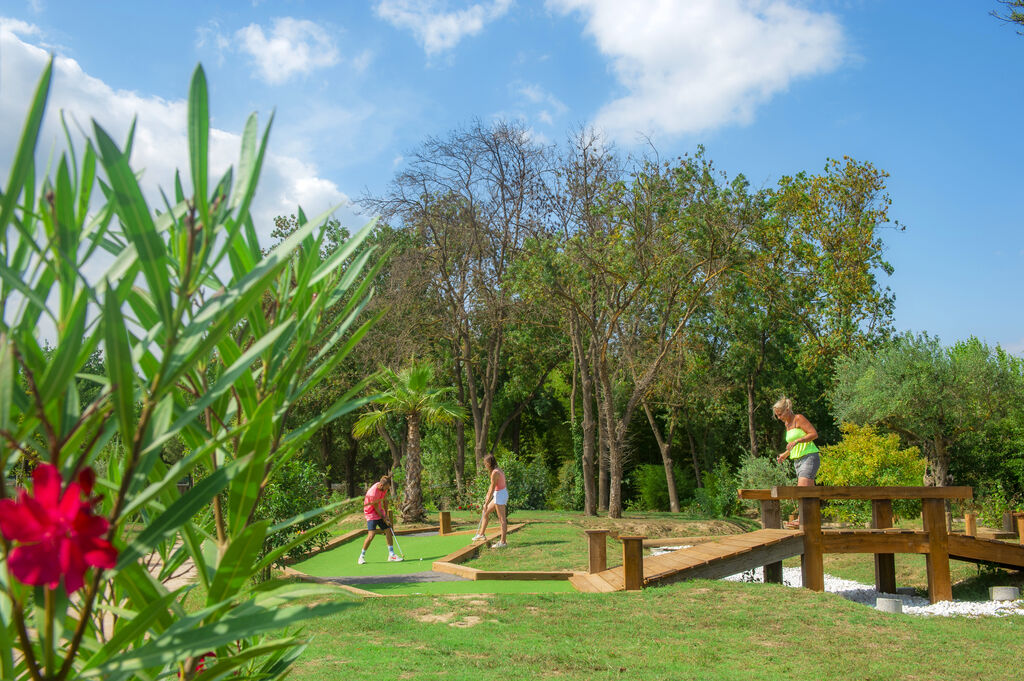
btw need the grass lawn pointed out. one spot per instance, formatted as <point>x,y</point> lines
<point>692,630</point>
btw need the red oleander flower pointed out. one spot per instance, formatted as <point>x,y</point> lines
<point>56,533</point>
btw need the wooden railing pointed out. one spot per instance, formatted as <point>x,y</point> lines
<point>880,540</point>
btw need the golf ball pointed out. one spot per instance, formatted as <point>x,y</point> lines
<point>421,559</point>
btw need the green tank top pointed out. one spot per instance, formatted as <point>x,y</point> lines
<point>801,449</point>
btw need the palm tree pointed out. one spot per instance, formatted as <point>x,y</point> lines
<point>409,394</point>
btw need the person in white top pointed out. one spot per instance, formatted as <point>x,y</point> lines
<point>496,500</point>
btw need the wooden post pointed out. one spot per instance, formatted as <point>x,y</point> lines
<point>1020,526</point>
<point>811,566</point>
<point>445,525</point>
<point>940,587</point>
<point>971,524</point>
<point>632,562</point>
<point>1008,522</point>
<point>771,519</point>
<point>598,549</point>
<point>885,563</point>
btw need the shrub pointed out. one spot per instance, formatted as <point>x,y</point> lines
<point>569,495</point>
<point>650,487</point>
<point>527,481</point>
<point>299,486</point>
<point>866,457</point>
<point>718,497</point>
<point>209,338</point>
<point>762,472</point>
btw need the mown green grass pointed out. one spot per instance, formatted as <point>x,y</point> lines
<point>694,630</point>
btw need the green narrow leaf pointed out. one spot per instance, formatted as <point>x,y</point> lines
<point>119,366</point>
<point>177,514</point>
<point>7,374</point>
<point>138,224</point>
<point>24,156</point>
<point>236,566</point>
<point>199,141</point>
<point>190,639</point>
<point>131,630</point>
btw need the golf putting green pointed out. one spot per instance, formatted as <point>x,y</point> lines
<point>341,561</point>
<point>483,586</point>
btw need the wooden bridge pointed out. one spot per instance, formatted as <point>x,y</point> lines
<point>770,546</point>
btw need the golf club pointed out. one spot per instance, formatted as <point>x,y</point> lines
<point>394,538</point>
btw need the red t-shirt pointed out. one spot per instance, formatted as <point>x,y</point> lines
<point>374,496</point>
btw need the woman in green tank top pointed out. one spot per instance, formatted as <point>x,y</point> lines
<point>800,447</point>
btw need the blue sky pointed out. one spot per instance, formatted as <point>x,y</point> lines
<point>929,91</point>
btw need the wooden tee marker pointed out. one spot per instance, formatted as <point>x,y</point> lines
<point>633,561</point>
<point>597,550</point>
<point>445,523</point>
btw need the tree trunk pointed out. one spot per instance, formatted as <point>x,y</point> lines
<point>694,457</point>
<point>751,428</point>
<point>350,467</point>
<point>412,508</point>
<point>665,447</point>
<point>602,464</point>
<point>460,456</point>
<point>393,447</point>
<point>938,474</point>
<point>590,494</point>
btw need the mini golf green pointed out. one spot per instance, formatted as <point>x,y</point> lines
<point>341,562</point>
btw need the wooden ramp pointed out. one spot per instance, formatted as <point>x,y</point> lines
<point>986,551</point>
<point>711,560</point>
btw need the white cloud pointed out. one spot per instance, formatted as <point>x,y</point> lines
<point>545,105</point>
<point>160,139</point>
<point>696,65</point>
<point>435,27</point>
<point>293,46</point>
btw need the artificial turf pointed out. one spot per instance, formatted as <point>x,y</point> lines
<point>420,553</point>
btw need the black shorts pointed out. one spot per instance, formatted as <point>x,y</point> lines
<point>378,524</point>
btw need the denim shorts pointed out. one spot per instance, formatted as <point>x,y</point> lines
<point>378,524</point>
<point>807,465</point>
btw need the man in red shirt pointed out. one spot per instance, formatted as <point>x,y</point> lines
<point>375,510</point>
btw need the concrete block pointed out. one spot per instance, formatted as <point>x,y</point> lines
<point>1003,593</point>
<point>889,604</point>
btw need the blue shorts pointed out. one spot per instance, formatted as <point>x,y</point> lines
<point>378,524</point>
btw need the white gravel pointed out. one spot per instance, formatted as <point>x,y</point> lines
<point>866,595</point>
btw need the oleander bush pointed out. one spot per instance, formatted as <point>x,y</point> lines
<point>208,341</point>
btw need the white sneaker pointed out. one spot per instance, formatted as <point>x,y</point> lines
<point>361,561</point>
<point>499,545</point>
<point>393,558</point>
<point>478,537</point>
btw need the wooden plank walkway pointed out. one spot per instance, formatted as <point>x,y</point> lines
<point>977,550</point>
<point>711,560</point>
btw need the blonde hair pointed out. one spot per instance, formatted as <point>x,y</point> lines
<point>783,405</point>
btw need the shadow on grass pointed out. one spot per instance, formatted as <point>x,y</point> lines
<point>976,588</point>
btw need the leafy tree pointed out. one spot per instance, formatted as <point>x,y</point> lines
<point>469,201</point>
<point>410,394</point>
<point>931,395</point>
